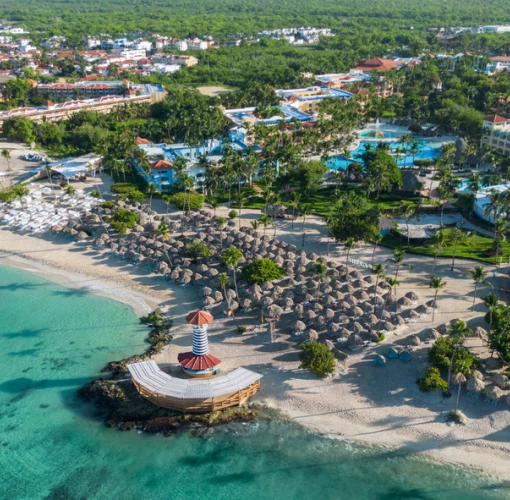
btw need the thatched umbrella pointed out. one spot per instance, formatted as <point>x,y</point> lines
<point>361,295</point>
<point>386,326</point>
<point>299,309</point>
<point>334,328</point>
<point>344,333</point>
<point>398,320</point>
<point>320,320</point>
<point>411,315</point>
<point>356,311</point>
<point>272,312</point>
<point>405,301</point>
<point>246,304</point>
<point>423,309</point>
<point>256,297</point>
<point>310,315</point>
<point>267,286</point>
<point>493,392</point>
<point>266,301</point>
<point>312,335</point>
<point>354,340</point>
<point>298,327</point>
<point>475,385</point>
<point>206,291</point>
<point>218,296</point>
<point>208,302</point>
<point>329,313</point>
<point>317,307</point>
<point>367,307</point>
<point>412,296</point>
<point>288,303</point>
<point>370,319</point>
<point>308,297</point>
<point>356,327</point>
<point>351,300</point>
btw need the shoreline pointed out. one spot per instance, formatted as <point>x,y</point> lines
<point>142,291</point>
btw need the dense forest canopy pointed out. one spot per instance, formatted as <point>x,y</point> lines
<point>200,17</point>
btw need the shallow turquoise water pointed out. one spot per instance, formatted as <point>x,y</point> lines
<point>53,340</point>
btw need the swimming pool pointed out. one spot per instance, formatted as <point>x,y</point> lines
<point>426,152</point>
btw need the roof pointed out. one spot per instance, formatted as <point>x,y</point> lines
<point>495,119</point>
<point>376,64</point>
<point>141,140</point>
<point>149,375</point>
<point>190,361</point>
<point>199,318</point>
<point>161,165</point>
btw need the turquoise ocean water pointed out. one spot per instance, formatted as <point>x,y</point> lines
<point>53,340</point>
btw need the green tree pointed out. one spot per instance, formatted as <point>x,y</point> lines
<point>479,276</point>
<point>232,257</point>
<point>197,250</point>
<point>317,358</point>
<point>260,270</point>
<point>436,283</point>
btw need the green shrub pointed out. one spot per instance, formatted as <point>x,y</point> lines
<point>197,250</point>
<point>233,214</point>
<point>381,337</point>
<point>317,358</point>
<point>440,355</point>
<point>135,196</point>
<point>260,270</point>
<point>123,187</point>
<point>108,204</point>
<point>195,203</point>
<point>432,381</point>
<point>123,220</point>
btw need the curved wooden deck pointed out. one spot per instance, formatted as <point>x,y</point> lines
<point>193,396</point>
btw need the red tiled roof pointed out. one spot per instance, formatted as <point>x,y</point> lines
<point>141,140</point>
<point>495,119</point>
<point>376,64</point>
<point>197,363</point>
<point>161,165</point>
<point>199,318</point>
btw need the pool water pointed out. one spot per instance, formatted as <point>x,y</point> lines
<point>426,152</point>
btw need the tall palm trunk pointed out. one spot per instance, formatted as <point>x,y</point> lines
<point>435,306</point>
<point>474,296</point>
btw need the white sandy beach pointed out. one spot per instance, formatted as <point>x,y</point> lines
<point>370,404</point>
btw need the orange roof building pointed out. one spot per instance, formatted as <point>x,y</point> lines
<point>376,64</point>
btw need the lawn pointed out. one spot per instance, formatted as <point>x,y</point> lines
<point>477,250</point>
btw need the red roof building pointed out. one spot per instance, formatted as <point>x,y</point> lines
<point>495,119</point>
<point>376,64</point>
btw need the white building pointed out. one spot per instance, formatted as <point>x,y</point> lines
<point>482,201</point>
<point>497,133</point>
<point>130,53</point>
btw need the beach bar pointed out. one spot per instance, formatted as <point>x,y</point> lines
<point>193,396</point>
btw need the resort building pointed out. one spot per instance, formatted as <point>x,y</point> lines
<point>482,201</point>
<point>62,111</point>
<point>243,117</point>
<point>496,133</point>
<point>161,158</point>
<point>96,88</point>
<point>376,64</point>
<point>307,100</point>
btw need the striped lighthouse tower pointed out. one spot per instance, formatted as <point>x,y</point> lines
<point>200,340</point>
<point>199,362</point>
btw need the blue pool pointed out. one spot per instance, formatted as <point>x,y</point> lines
<point>425,153</point>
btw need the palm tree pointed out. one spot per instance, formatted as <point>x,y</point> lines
<point>474,183</point>
<point>398,259</point>
<point>458,329</point>
<point>7,155</point>
<point>389,283</point>
<point>305,210</point>
<point>168,200</point>
<point>151,189</point>
<point>349,245</point>
<point>479,275</point>
<point>255,224</point>
<point>164,231</point>
<point>265,220</point>
<point>439,242</point>
<point>378,270</point>
<point>436,283</point>
<point>460,379</point>
<point>494,207</point>
<point>376,239</point>
<point>457,237</point>
<point>221,221</point>
<point>408,211</point>
<point>501,229</point>
<point>231,257</point>
<point>491,302</point>
<point>241,198</point>
<point>214,205</point>
<point>319,270</point>
<point>224,281</point>
<point>294,203</point>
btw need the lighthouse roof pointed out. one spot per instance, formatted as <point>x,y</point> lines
<point>199,318</point>
<point>190,361</point>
